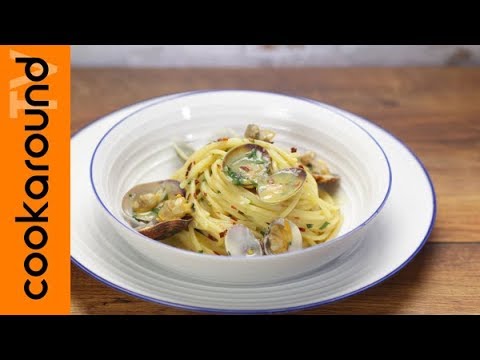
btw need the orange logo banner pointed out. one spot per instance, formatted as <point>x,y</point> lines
<point>35,179</point>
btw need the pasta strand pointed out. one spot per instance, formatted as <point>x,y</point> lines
<point>218,204</point>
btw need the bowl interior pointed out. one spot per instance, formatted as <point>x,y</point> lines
<point>139,148</point>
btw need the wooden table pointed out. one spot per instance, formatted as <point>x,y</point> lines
<point>435,111</point>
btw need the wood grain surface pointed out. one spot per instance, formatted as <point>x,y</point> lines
<point>435,111</point>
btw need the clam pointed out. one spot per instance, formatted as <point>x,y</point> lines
<point>281,185</point>
<point>326,178</point>
<point>165,229</point>
<point>157,209</point>
<point>319,169</point>
<point>255,132</point>
<point>282,236</point>
<point>240,241</point>
<point>247,164</point>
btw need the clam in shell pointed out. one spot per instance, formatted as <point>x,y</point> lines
<point>281,185</point>
<point>247,164</point>
<point>157,209</point>
<point>282,236</point>
<point>240,241</point>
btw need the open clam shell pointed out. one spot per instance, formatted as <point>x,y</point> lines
<point>247,164</point>
<point>165,229</point>
<point>140,207</point>
<point>281,185</point>
<point>240,241</point>
<point>282,236</point>
<point>145,197</point>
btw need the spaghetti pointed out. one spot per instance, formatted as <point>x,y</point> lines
<point>218,202</point>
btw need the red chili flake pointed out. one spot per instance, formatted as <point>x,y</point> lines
<point>293,149</point>
<point>196,194</point>
<point>233,218</point>
<point>222,139</point>
<point>296,218</point>
<point>233,207</point>
<point>197,182</point>
<point>245,168</point>
<point>212,238</point>
<point>302,229</point>
<point>205,194</point>
<point>301,166</point>
<point>223,233</point>
<point>241,212</point>
<point>216,252</point>
<point>188,169</point>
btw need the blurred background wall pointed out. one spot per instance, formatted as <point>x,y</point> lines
<point>274,55</point>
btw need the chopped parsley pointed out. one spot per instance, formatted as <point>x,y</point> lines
<point>309,226</point>
<point>200,251</point>
<point>236,179</point>
<point>255,156</point>
<point>325,224</point>
<point>252,154</point>
<point>228,252</point>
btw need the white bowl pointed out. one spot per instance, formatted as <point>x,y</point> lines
<point>138,149</point>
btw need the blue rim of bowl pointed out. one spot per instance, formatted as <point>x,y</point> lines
<point>228,258</point>
<point>148,102</point>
